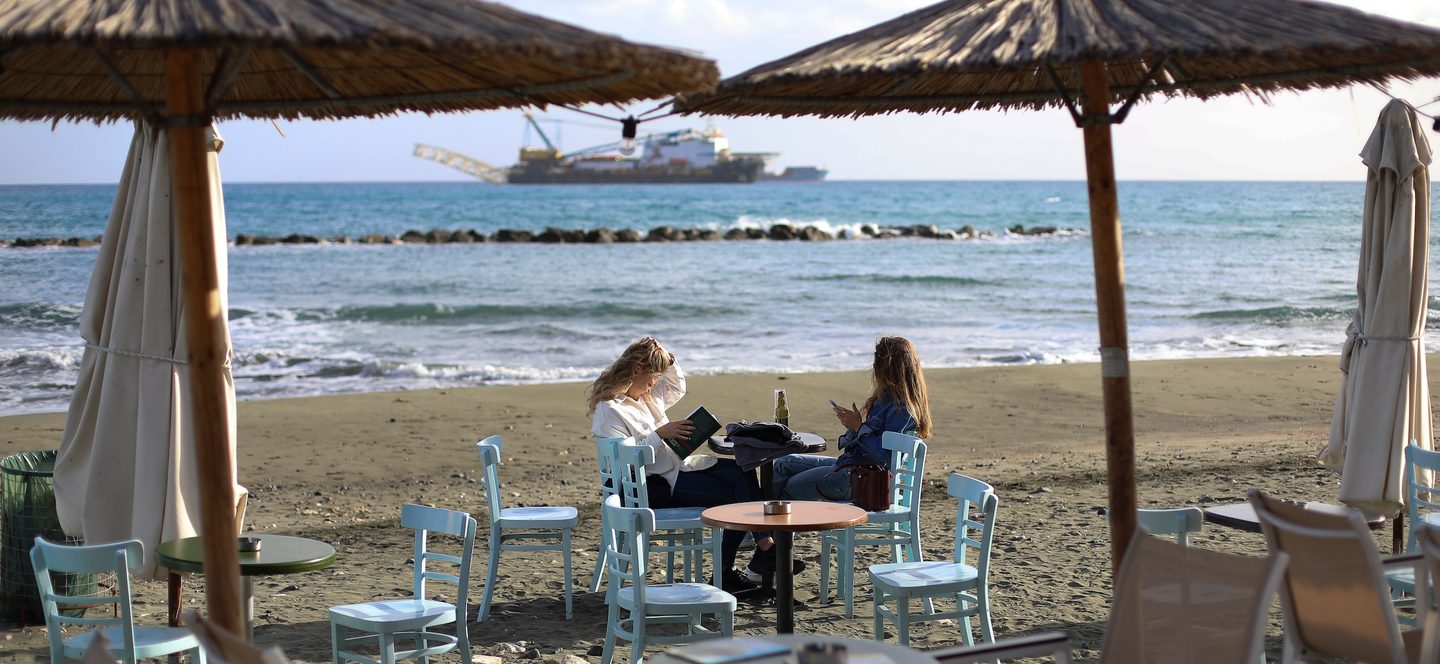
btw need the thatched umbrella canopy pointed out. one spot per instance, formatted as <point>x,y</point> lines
<point>1029,54</point>
<point>182,63</point>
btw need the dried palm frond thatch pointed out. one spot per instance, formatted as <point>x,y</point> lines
<point>104,59</point>
<point>972,54</point>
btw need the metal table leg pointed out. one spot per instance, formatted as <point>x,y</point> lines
<point>247,594</point>
<point>784,583</point>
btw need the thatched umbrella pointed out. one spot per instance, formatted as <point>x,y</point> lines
<point>1029,54</point>
<point>182,64</point>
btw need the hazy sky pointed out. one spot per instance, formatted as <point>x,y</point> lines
<point>1307,136</point>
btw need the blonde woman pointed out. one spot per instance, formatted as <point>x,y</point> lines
<point>629,400</point>
<point>899,401</point>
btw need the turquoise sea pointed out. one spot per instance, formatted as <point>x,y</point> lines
<point>1213,269</point>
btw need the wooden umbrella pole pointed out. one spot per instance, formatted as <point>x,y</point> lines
<point>204,336</point>
<point>1105,243</point>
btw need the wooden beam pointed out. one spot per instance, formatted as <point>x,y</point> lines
<point>119,76</point>
<point>225,72</point>
<point>1109,256</point>
<point>310,73</point>
<point>205,335</point>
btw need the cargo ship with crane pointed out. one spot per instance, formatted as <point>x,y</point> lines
<point>687,156</point>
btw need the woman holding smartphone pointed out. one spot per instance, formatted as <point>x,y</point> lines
<point>899,401</point>
<point>629,400</point>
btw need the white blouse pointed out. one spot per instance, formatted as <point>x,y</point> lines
<point>639,418</point>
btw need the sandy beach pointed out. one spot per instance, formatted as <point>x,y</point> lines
<point>338,468</point>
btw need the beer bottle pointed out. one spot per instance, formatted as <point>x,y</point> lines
<point>782,410</point>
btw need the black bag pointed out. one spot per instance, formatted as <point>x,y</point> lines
<point>766,432</point>
<point>870,486</point>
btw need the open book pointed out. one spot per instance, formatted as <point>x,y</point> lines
<point>705,426</point>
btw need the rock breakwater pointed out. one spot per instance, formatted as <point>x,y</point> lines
<point>552,235</point>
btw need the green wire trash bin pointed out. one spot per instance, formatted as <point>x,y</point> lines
<point>27,493</point>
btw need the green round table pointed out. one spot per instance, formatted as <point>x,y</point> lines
<point>278,554</point>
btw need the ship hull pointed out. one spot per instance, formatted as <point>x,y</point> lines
<point>728,172</point>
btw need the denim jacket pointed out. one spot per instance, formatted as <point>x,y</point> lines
<point>863,446</point>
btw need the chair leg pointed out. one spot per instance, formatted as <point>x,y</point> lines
<point>967,629</point>
<point>637,647</point>
<point>600,559</point>
<point>902,619</point>
<point>879,615</point>
<point>825,566</point>
<point>335,643</point>
<point>387,649</point>
<point>197,656</point>
<point>845,575</point>
<point>611,623</point>
<point>987,631</point>
<point>718,575</point>
<point>462,634</point>
<point>490,576</point>
<point>569,594</point>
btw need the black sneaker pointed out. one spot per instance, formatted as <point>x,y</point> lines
<point>762,565</point>
<point>735,581</point>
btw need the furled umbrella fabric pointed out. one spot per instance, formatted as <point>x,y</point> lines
<point>126,467</point>
<point>1384,400</point>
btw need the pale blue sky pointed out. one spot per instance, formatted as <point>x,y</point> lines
<point>1309,136</point>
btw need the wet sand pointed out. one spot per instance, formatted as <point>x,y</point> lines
<point>338,469</point>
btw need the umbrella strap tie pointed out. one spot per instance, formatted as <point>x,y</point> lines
<point>1362,338</point>
<point>143,356</point>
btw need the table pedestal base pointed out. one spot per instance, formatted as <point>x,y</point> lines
<point>247,594</point>
<point>784,582</point>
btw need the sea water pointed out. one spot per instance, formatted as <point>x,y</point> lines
<point>1212,269</point>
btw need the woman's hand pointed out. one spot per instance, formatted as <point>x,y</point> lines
<point>676,429</point>
<point>849,417</point>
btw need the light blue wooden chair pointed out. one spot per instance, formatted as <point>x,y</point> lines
<point>605,450</point>
<point>1422,500</point>
<point>1178,522</point>
<point>966,578</point>
<point>385,622</point>
<point>509,525</point>
<point>648,605</point>
<point>897,527</point>
<point>128,642</point>
<point>678,530</point>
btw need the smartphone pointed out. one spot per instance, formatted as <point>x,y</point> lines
<point>833,404</point>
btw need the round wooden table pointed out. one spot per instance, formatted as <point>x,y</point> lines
<point>804,516</point>
<point>1241,516</point>
<point>872,651</point>
<point>278,554</point>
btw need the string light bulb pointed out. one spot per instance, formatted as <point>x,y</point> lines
<point>628,126</point>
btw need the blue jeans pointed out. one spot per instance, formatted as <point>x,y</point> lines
<point>720,484</point>
<point>811,477</point>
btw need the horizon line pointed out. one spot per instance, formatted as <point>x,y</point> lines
<point>660,184</point>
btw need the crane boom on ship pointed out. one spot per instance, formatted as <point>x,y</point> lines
<point>465,164</point>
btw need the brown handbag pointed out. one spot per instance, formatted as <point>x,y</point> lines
<point>870,486</point>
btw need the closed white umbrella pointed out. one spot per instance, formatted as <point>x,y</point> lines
<point>1384,400</point>
<point>127,463</point>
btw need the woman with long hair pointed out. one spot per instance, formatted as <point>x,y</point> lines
<point>899,401</point>
<point>629,400</point>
